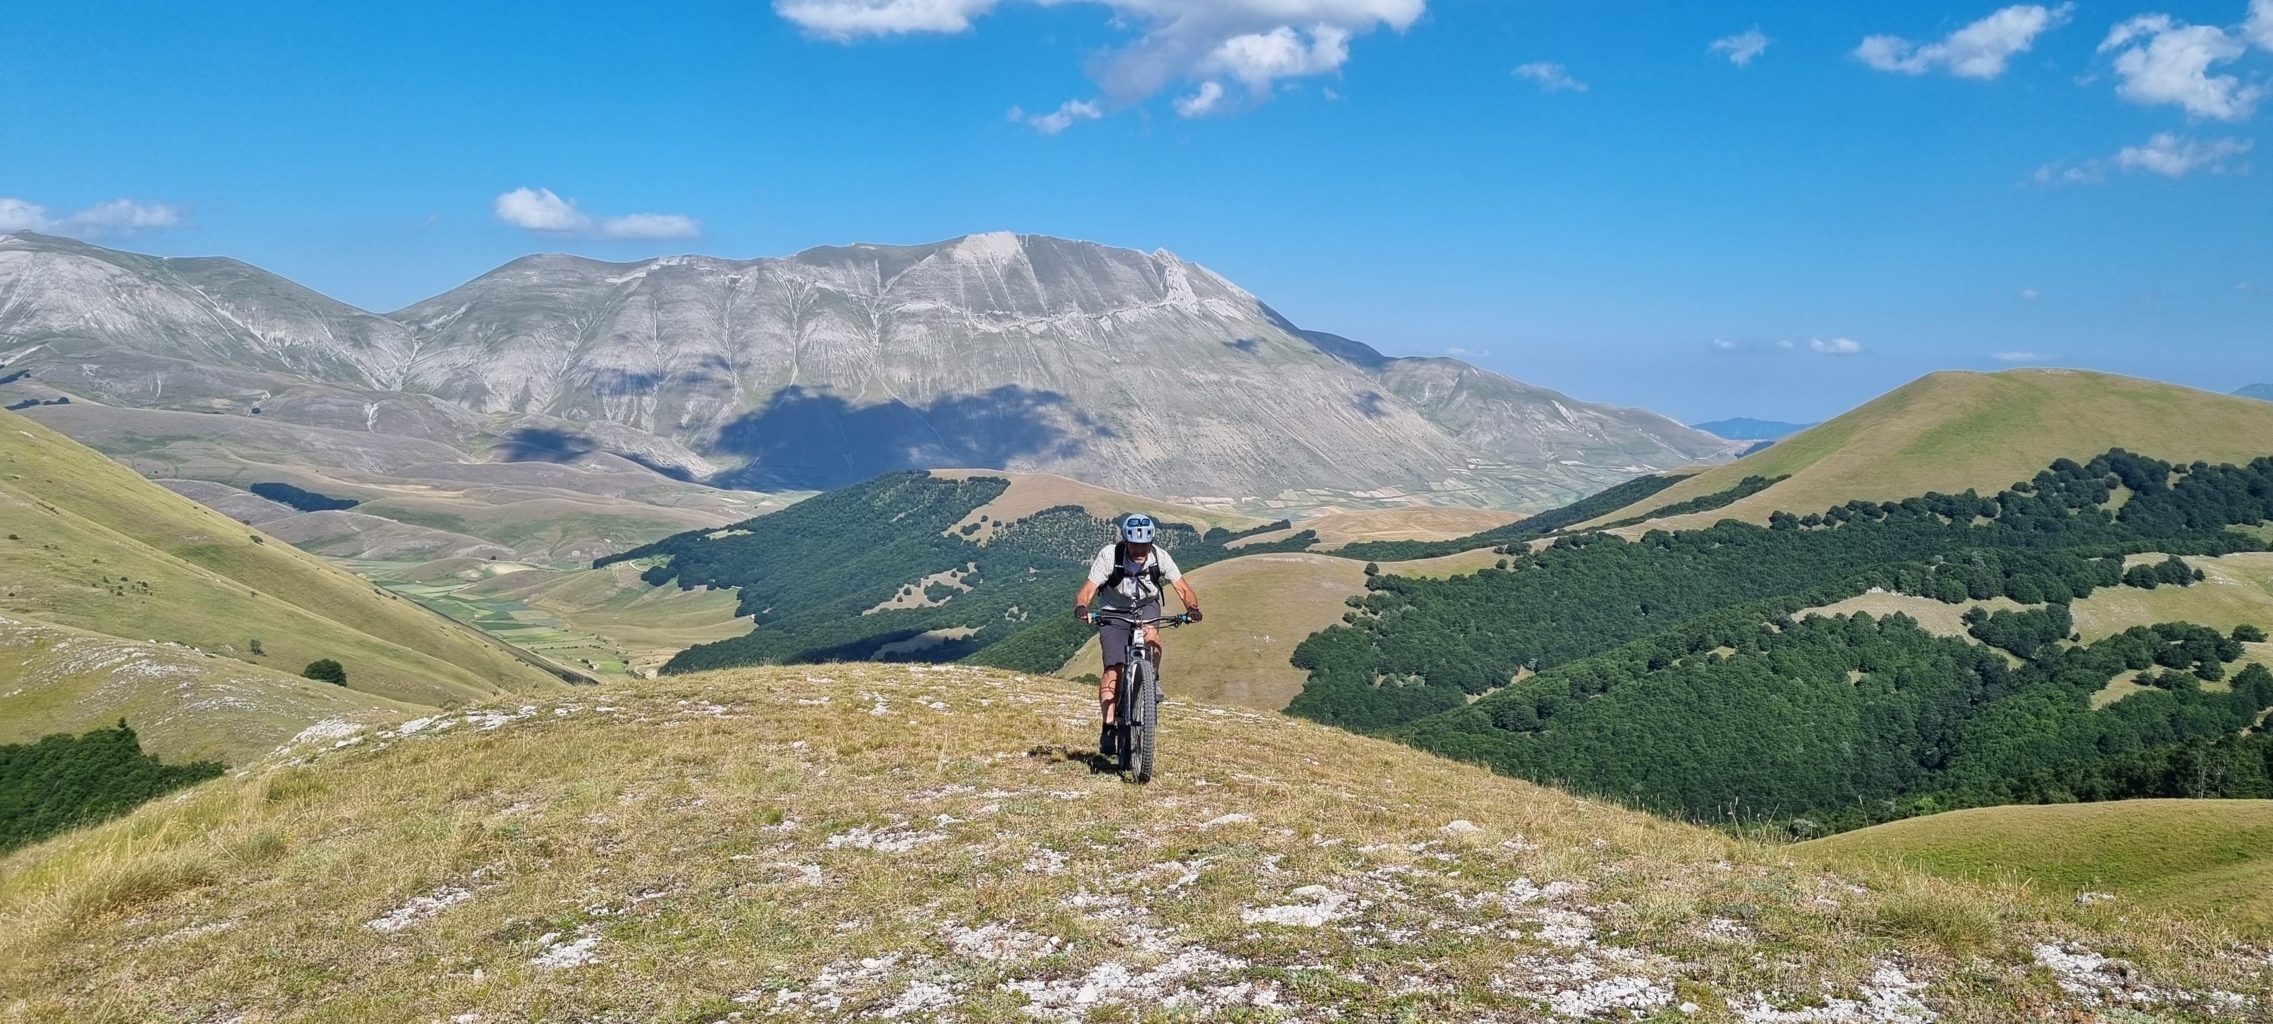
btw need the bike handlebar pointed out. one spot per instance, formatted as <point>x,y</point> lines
<point>1099,619</point>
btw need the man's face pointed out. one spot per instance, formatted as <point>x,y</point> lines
<point>1140,550</point>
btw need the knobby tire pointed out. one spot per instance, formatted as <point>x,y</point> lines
<point>1148,723</point>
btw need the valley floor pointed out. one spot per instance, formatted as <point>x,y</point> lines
<point>931,842</point>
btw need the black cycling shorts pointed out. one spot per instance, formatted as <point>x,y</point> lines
<point>1114,632</point>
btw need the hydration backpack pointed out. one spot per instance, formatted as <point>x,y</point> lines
<point>1120,572</point>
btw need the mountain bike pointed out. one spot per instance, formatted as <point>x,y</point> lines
<point>1136,707</point>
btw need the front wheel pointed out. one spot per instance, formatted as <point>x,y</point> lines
<point>1146,723</point>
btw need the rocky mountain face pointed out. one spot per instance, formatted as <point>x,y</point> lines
<point>1138,371</point>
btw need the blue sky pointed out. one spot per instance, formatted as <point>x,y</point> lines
<point>1591,196</point>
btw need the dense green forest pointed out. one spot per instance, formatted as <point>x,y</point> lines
<point>816,575</point>
<point>1668,671</point>
<point>65,781</point>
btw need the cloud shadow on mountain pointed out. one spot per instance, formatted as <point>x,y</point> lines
<point>543,444</point>
<point>812,440</point>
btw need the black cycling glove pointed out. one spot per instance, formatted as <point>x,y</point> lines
<point>1191,615</point>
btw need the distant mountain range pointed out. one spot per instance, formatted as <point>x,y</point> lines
<point>1134,370</point>
<point>1745,429</point>
<point>2264,391</point>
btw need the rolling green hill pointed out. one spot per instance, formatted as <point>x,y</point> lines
<point>2212,857</point>
<point>1954,430</point>
<point>931,843</point>
<point>93,550</point>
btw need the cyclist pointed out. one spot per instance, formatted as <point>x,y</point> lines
<point>1129,573</point>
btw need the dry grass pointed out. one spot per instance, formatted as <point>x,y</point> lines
<point>1032,492</point>
<point>1337,527</point>
<point>1951,430</point>
<point>931,843</point>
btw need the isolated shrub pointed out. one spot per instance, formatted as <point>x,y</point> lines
<point>326,670</point>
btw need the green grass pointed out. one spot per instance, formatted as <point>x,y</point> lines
<point>836,841</point>
<point>1951,430</point>
<point>2210,857</point>
<point>98,549</point>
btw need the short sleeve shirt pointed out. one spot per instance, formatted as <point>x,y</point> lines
<point>1135,589</point>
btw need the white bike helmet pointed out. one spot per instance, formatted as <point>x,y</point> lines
<point>1137,528</point>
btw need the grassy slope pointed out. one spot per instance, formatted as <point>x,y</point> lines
<point>1419,522</point>
<point>186,706</point>
<point>648,623</point>
<point>2210,856</point>
<point>1258,608</point>
<point>1951,430</point>
<point>840,841</point>
<point>1032,492</point>
<point>177,571</point>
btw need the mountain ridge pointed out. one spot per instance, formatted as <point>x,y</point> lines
<point>1132,370</point>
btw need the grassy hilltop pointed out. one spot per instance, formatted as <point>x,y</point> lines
<point>927,842</point>
<point>1955,429</point>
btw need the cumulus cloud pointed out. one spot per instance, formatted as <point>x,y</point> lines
<point>1979,50</point>
<point>116,217</point>
<point>1743,46</point>
<point>2163,60</point>
<point>541,210</point>
<point>1723,345</point>
<point>2019,357</point>
<point>2259,27</point>
<point>2031,294</point>
<point>2166,153</point>
<point>1066,116</point>
<point>1550,76</point>
<point>1835,346</point>
<point>1209,44</point>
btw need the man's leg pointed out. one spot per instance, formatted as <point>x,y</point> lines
<point>1108,687</point>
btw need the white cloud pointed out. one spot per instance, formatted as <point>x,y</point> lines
<point>2166,153</point>
<point>1835,346</point>
<point>2031,294</point>
<point>1254,43</point>
<point>2175,156</point>
<point>1066,116</point>
<point>651,225</point>
<point>116,217</point>
<point>2259,27</point>
<point>1750,43</point>
<point>540,210</point>
<point>1202,101</point>
<point>844,19</point>
<point>1978,50</point>
<point>1550,76</point>
<point>1467,353</point>
<point>1723,345</point>
<point>2019,357</point>
<point>2164,60</point>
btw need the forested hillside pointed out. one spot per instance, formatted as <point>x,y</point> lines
<point>879,570</point>
<point>1670,672</point>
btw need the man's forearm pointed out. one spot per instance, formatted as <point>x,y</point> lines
<point>1184,590</point>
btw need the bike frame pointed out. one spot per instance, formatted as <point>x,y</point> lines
<point>1136,702</point>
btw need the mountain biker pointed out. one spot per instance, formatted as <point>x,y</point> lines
<point>1129,574</point>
